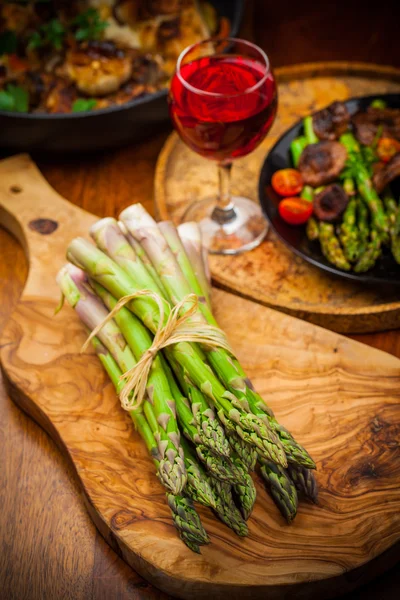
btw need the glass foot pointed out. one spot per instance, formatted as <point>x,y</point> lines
<point>245,228</point>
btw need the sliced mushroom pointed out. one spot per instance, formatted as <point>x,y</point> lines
<point>330,204</point>
<point>367,124</point>
<point>321,163</point>
<point>98,68</point>
<point>385,175</point>
<point>331,122</point>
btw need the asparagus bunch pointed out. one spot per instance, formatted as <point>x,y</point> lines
<point>368,223</point>
<point>198,390</point>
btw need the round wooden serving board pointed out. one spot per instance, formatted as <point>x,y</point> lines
<point>271,274</point>
<point>338,397</point>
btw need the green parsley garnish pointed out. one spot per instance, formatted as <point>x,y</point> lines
<point>14,99</point>
<point>89,25</point>
<point>50,34</point>
<point>83,105</point>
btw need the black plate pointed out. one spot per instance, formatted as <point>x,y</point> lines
<point>386,269</point>
<point>100,129</point>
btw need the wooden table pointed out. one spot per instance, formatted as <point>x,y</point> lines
<point>49,548</point>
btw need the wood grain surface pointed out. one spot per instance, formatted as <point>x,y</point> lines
<point>288,282</point>
<point>338,397</point>
<point>37,546</point>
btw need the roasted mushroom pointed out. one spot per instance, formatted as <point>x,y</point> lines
<point>321,163</point>
<point>61,97</point>
<point>385,175</point>
<point>146,70</point>
<point>367,124</point>
<point>331,122</point>
<point>330,204</point>
<point>98,68</point>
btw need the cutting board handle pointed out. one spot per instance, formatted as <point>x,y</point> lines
<point>37,215</point>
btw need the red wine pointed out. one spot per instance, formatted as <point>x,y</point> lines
<point>216,113</point>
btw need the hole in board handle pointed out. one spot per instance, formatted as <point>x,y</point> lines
<point>15,189</point>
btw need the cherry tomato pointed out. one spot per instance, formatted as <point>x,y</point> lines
<point>387,148</point>
<point>295,211</point>
<point>287,182</point>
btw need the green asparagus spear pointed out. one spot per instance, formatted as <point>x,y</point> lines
<point>304,481</point>
<point>109,238</point>
<point>190,235</point>
<point>378,103</point>
<point>396,227</point>
<point>362,226</point>
<point>312,229</point>
<point>307,193</point>
<point>391,211</point>
<point>319,189</point>
<point>210,431</point>
<point>226,508</point>
<point>348,235</point>
<point>371,254</point>
<point>396,249</point>
<point>187,522</point>
<point>296,149</point>
<point>218,466</point>
<point>331,248</point>
<point>245,492</point>
<point>246,452</point>
<point>348,186</point>
<point>358,169</point>
<point>141,254</point>
<point>309,130</point>
<point>171,235</point>
<point>201,488</point>
<point>282,489</point>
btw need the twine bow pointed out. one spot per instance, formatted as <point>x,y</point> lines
<point>178,328</point>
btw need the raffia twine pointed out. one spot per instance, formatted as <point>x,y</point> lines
<point>178,328</point>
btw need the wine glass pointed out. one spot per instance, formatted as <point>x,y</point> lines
<point>222,102</point>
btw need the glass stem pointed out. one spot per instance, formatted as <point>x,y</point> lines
<point>224,212</point>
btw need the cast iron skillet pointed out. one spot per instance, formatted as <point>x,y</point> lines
<point>386,269</point>
<point>101,129</point>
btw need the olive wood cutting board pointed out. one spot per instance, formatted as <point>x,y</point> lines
<point>272,274</point>
<point>340,398</point>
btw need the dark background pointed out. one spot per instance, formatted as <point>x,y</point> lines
<point>305,31</point>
